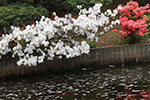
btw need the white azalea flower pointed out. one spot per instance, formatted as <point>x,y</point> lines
<point>47,38</point>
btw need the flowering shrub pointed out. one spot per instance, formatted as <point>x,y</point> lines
<point>19,15</point>
<point>56,38</point>
<point>8,2</point>
<point>70,5</point>
<point>133,21</point>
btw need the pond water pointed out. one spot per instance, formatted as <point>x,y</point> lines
<point>110,83</point>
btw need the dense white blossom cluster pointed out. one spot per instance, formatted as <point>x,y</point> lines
<point>47,39</point>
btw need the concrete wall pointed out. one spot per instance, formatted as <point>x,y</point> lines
<point>128,54</point>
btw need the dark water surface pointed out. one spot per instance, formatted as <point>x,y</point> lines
<point>110,83</point>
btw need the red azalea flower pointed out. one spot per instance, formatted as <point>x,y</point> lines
<point>114,30</point>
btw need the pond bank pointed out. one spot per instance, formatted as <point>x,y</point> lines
<point>127,54</point>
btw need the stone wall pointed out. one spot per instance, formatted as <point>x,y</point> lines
<point>127,54</point>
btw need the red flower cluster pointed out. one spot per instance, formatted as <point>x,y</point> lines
<point>133,20</point>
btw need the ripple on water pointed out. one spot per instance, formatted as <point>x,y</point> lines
<point>102,84</point>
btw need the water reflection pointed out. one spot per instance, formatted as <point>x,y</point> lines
<point>110,83</point>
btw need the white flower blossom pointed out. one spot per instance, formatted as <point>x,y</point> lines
<point>46,39</point>
<point>79,6</point>
<point>119,7</point>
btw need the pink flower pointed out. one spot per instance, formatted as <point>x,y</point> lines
<point>114,30</point>
<point>132,19</point>
<point>135,4</point>
<point>123,19</point>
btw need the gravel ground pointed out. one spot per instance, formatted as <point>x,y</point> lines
<point>86,84</point>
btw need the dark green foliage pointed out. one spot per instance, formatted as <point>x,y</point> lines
<point>143,2</point>
<point>70,5</point>
<point>54,5</point>
<point>136,39</point>
<point>19,15</point>
<point>6,2</point>
<point>92,44</point>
